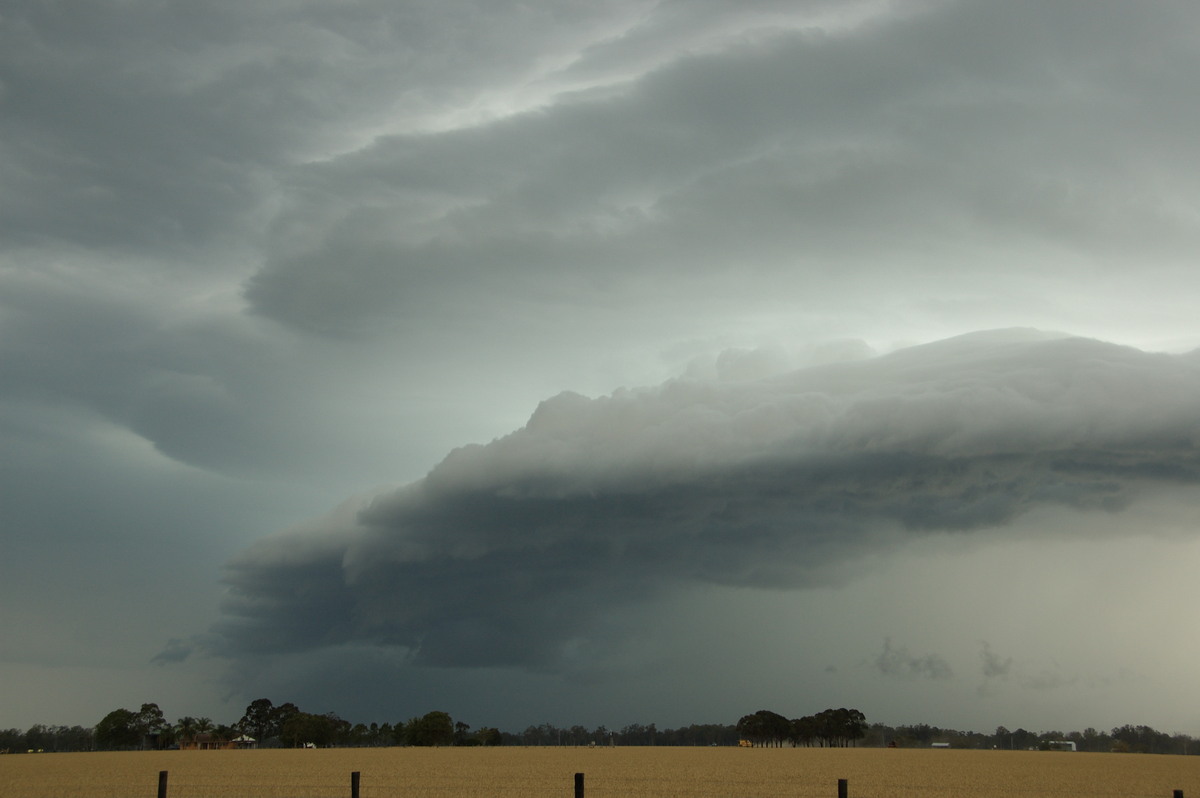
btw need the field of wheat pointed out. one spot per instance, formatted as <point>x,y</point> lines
<point>609,773</point>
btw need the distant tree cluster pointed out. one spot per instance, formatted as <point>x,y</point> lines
<point>1122,739</point>
<point>272,726</point>
<point>125,729</point>
<point>286,725</point>
<point>39,738</point>
<point>832,728</point>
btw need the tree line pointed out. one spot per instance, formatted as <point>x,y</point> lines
<point>1121,739</point>
<point>286,725</point>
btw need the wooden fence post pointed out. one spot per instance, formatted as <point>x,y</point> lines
<point>578,785</point>
<point>1178,794</point>
<point>162,784</point>
<point>355,777</point>
<point>843,788</point>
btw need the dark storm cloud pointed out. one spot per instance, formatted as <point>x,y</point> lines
<point>507,554</point>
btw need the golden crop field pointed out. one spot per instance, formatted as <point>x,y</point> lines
<point>609,773</point>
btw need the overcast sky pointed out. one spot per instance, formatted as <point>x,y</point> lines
<point>602,362</point>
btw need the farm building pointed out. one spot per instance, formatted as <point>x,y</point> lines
<point>211,742</point>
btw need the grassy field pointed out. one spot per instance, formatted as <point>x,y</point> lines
<point>609,773</point>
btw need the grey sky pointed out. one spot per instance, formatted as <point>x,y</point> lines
<point>559,354</point>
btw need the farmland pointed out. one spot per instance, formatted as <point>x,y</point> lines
<point>610,773</point>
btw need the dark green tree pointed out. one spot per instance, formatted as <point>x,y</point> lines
<point>489,736</point>
<point>358,736</point>
<point>152,726</point>
<point>803,731</point>
<point>750,727</point>
<point>39,737</point>
<point>302,728</point>
<point>433,728</point>
<point>340,729</point>
<point>1022,739</point>
<point>765,728</point>
<point>386,735</point>
<point>847,726</point>
<point>118,730</point>
<point>185,729</point>
<point>258,721</point>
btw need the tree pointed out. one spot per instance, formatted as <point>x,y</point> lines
<point>303,727</point>
<point>185,729</point>
<point>151,726</point>
<point>803,731</point>
<point>765,728</point>
<point>846,726</point>
<point>359,735</point>
<point>339,729</point>
<point>118,730</point>
<point>386,734</point>
<point>261,720</point>
<point>264,721</point>
<point>1140,740</point>
<point>489,736</point>
<point>1022,739</point>
<point>433,728</point>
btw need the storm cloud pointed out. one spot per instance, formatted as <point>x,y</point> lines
<point>259,257</point>
<point>508,554</point>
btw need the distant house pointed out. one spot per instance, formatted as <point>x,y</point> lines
<point>1062,745</point>
<point>204,742</point>
<point>211,742</point>
<point>939,745</point>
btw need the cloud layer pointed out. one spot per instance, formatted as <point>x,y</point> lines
<point>896,144</point>
<point>256,257</point>
<point>508,554</point>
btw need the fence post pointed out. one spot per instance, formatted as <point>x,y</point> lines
<point>843,788</point>
<point>162,784</point>
<point>354,780</point>
<point>578,785</point>
<point>1178,794</point>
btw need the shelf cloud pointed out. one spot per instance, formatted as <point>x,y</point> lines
<point>507,553</point>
